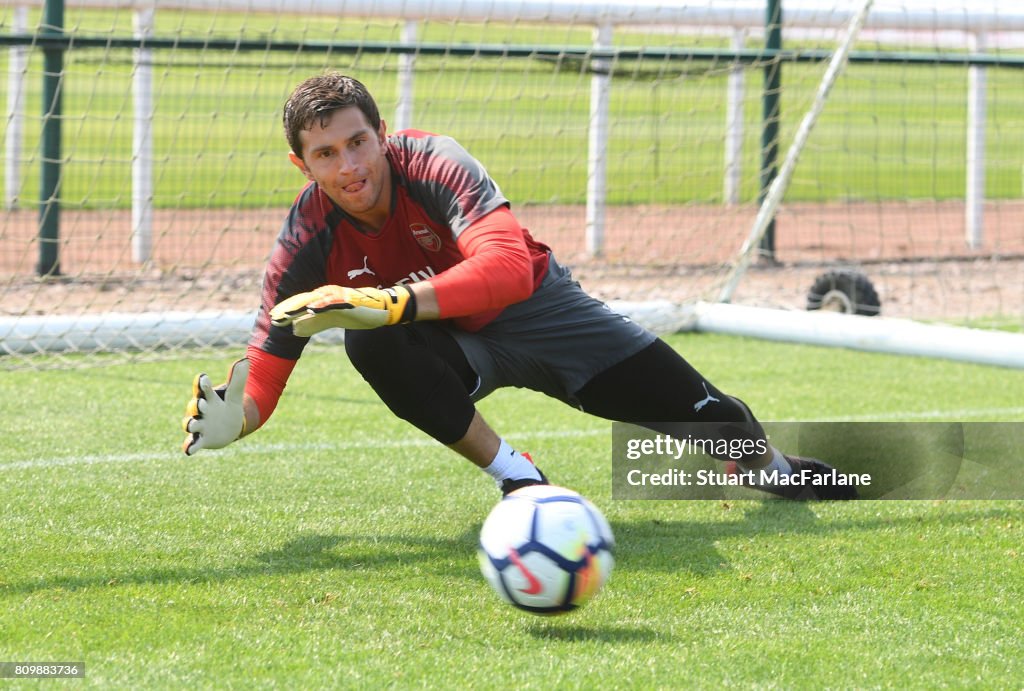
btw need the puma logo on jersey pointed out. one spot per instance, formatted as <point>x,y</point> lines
<point>354,273</point>
<point>708,399</point>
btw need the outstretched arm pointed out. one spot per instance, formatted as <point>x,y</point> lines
<point>215,417</point>
<point>497,271</point>
<point>218,416</point>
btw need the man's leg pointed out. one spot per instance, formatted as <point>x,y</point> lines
<point>658,388</point>
<point>422,375</point>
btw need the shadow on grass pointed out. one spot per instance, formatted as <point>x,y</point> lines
<point>306,553</point>
<point>601,634</point>
<point>645,545</point>
<point>655,545</point>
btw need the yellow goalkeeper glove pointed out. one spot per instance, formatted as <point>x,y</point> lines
<point>215,417</point>
<point>331,307</point>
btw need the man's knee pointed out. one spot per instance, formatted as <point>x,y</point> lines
<point>412,375</point>
<point>371,350</point>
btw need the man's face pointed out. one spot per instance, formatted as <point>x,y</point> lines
<point>345,156</point>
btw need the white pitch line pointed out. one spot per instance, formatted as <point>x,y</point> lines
<point>176,456</point>
<point>86,460</point>
<point>955,415</point>
<point>410,442</point>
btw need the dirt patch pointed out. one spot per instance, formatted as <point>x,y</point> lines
<point>915,253</point>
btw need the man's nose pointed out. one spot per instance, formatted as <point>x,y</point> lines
<point>347,162</point>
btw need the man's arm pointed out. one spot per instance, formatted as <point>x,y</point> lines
<point>497,271</point>
<point>298,261</point>
<point>252,416</point>
<point>426,300</point>
<point>218,416</point>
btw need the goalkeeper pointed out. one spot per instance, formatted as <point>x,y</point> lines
<point>405,241</point>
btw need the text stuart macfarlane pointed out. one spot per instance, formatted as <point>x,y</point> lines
<point>755,478</point>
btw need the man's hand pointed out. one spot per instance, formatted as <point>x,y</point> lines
<point>215,417</point>
<point>347,308</point>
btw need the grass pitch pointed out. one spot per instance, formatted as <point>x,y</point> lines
<point>337,546</point>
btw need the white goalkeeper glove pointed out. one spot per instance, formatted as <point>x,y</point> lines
<point>331,307</point>
<point>215,417</point>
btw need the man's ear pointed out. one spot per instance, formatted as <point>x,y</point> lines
<point>382,131</point>
<point>300,164</point>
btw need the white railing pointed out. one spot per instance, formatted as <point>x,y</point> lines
<point>957,22</point>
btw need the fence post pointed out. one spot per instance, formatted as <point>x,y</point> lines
<point>771,115</point>
<point>974,196</point>
<point>406,74</point>
<point>142,140</point>
<point>50,166</point>
<point>17,64</point>
<point>597,147</point>
<point>734,125</point>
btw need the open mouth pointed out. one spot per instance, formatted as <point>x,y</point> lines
<point>355,186</point>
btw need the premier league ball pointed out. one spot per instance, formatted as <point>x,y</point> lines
<point>546,549</point>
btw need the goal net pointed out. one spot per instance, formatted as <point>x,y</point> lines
<point>635,148</point>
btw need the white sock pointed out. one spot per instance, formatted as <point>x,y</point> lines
<point>779,463</point>
<point>509,464</point>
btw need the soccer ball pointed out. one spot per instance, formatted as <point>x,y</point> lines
<point>546,549</point>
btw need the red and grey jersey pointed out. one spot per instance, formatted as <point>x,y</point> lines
<point>439,190</point>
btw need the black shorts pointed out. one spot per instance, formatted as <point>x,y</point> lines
<point>554,342</point>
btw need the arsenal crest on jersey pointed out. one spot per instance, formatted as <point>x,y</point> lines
<point>427,238</point>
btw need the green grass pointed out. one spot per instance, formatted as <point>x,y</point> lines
<point>889,132</point>
<point>336,546</point>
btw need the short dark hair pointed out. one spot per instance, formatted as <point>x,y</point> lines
<point>317,98</point>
